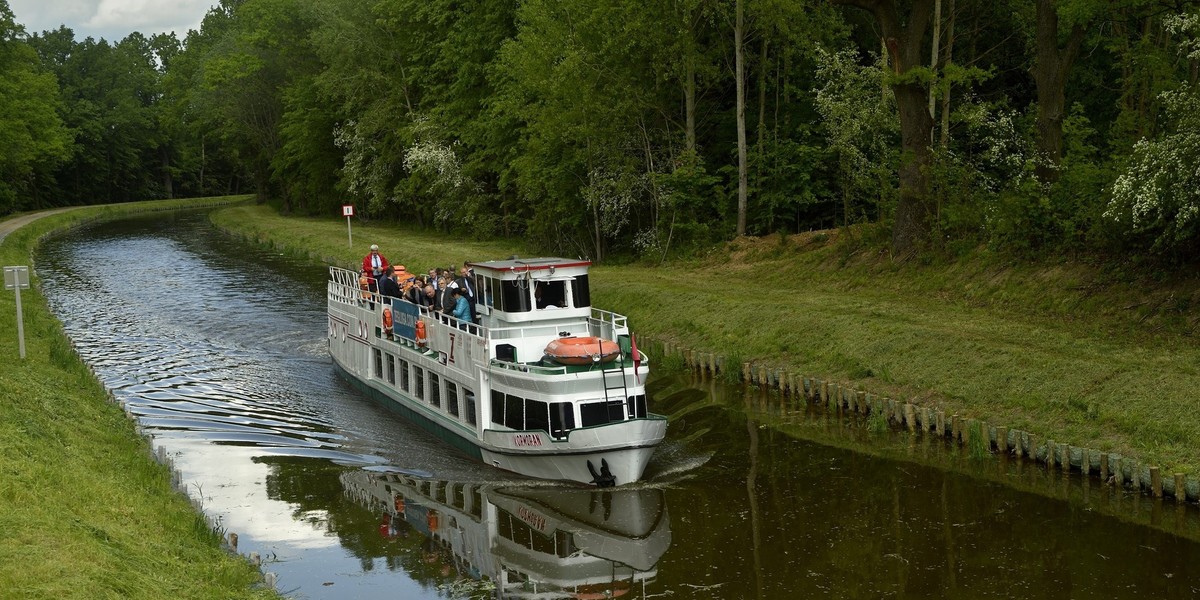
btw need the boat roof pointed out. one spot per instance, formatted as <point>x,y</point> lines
<point>524,265</point>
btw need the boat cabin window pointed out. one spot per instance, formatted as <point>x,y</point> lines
<point>637,406</point>
<point>550,294</point>
<point>580,295</point>
<point>536,416</point>
<point>419,383</point>
<point>514,296</point>
<point>472,411</point>
<point>600,413</point>
<point>451,398</point>
<point>404,375</point>
<point>562,419</point>
<point>435,390</point>
<point>378,360</point>
<point>497,407</point>
<point>391,369</point>
<point>514,412</point>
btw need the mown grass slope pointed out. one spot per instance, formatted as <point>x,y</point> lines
<point>85,511</point>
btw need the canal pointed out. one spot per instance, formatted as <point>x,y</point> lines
<point>217,348</point>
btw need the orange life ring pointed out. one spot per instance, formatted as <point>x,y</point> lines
<point>387,319</point>
<point>420,332</point>
<point>582,350</point>
<point>431,518</point>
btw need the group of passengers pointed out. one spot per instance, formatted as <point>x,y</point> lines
<point>439,290</point>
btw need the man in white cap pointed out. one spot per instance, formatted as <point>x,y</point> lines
<point>374,264</point>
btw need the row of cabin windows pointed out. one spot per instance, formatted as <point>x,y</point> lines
<point>411,379</point>
<point>558,418</point>
<point>523,295</point>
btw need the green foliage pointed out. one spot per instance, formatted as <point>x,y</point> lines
<point>1157,197</point>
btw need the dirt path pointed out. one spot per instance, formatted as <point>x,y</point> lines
<point>11,225</point>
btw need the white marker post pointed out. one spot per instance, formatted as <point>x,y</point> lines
<point>348,211</point>
<point>16,279</point>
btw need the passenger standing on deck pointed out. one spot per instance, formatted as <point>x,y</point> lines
<point>462,311</point>
<point>374,264</point>
<point>466,284</point>
<point>388,285</point>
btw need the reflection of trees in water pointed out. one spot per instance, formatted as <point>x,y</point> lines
<point>313,487</point>
<point>823,520</point>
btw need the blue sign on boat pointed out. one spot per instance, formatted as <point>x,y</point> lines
<point>404,319</point>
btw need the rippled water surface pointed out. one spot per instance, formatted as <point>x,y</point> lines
<point>218,349</point>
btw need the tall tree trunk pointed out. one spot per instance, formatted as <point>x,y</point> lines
<point>762,94</point>
<point>164,156</point>
<point>689,104</point>
<point>1050,69</point>
<point>945,130</point>
<point>740,68</point>
<point>934,56</point>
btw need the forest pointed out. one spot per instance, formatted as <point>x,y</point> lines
<point>623,129</point>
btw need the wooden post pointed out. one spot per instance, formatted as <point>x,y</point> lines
<point>1104,467</point>
<point>910,416</point>
<point>233,539</point>
<point>940,423</point>
<point>1180,488</point>
<point>1085,461</point>
<point>1002,439</point>
<point>825,392</point>
<point>863,407</point>
<point>1156,482</point>
<point>746,373</point>
<point>1051,451</point>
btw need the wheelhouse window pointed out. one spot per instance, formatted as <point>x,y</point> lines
<point>580,294</point>
<point>514,296</point>
<point>550,294</point>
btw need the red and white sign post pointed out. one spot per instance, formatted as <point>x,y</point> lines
<point>348,211</point>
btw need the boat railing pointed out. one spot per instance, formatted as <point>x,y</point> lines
<point>607,324</point>
<point>528,368</point>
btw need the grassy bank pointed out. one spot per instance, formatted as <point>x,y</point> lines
<point>85,512</point>
<point>1065,352</point>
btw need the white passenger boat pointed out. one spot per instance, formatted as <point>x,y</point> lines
<point>535,543</point>
<point>492,389</point>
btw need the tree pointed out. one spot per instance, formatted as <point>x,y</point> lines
<point>903,33</point>
<point>30,126</point>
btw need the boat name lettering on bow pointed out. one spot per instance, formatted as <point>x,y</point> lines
<point>527,439</point>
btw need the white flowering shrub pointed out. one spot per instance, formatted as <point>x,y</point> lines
<point>611,197</point>
<point>1158,194</point>
<point>859,116</point>
<point>366,172</point>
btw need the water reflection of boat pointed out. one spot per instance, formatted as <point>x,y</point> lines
<point>529,542</point>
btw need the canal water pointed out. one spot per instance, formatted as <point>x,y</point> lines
<point>217,347</point>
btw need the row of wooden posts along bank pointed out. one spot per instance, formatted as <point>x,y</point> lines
<point>1112,468</point>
